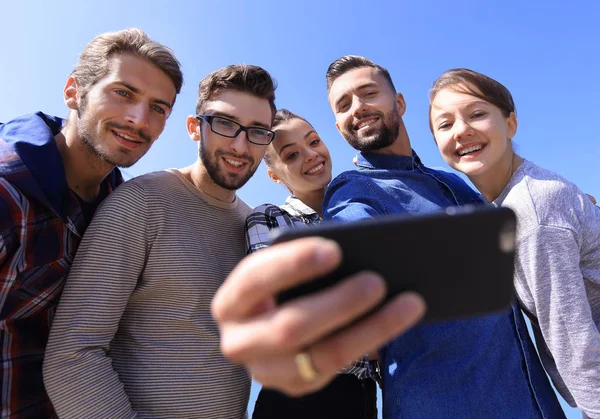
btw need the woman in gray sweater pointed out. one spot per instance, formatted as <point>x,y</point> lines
<point>557,267</point>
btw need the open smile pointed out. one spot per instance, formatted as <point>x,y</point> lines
<point>233,164</point>
<point>470,151</point>
<point>316,170</point>
<point>127,140</point>
<point>365,123</point>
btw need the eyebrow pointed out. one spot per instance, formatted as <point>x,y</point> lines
<point>359,88</point>
<point>257,124</point>
<point>308,134</point>
<point>440,115</point>
<point>138,91</point>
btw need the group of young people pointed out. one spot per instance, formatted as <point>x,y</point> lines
<point>157,312</point>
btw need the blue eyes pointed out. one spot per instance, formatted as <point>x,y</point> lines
<point>223,122</point>
<point>258,133</point>
<point>126,94</point>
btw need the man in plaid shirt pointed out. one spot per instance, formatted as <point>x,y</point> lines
<point>53,175</point>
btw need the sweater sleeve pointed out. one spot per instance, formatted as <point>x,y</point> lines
<point>78,372</point>
<point>548,259</point>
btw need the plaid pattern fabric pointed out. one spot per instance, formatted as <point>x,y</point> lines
<point>264,221</point>
<point>41,224</point>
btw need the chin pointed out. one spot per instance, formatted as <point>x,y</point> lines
<point>471,169</point>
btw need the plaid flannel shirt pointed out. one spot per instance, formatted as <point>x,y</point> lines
<point>264,221</point>
<point>41,224</point>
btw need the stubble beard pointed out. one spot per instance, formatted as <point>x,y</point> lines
<point>384,137</point>
<point>85,125</point>
<point>231,181</point>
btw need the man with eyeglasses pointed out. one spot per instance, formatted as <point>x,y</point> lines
<point>133,335</point>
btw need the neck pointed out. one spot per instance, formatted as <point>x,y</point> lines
<point>84,170</point>
<point>401,146</point>
<point>494,180</point>
<point>313,199</point>
<point>197,175</point>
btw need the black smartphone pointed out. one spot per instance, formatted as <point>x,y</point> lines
<point>460,260</point>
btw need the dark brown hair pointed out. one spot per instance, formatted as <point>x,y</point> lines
<point>245,78</point>
<point>475,84</point>
<point>350,62</point>
<point>94,62</point>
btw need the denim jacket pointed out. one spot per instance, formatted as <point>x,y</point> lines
<point>482,367</point>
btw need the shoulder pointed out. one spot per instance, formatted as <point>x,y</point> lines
<point>346,180</point>
<point>153,183</point>
<point>266,209</point>
<point>243,207</point>
<point>351,175</point>
<point>161,178</point>
<point>454,180</point>
<point>10,162</point>
<point>547,196</point>
<point>266,215</point>
<point>131,194</point>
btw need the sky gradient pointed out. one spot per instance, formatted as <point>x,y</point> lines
<point>546,53</point>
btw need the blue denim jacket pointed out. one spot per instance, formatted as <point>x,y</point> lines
<point>483,367</point>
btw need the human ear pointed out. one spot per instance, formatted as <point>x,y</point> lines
<point>193,127</point>
<point>273,176</point>
<point>401,104</point>
<point>511,125</point>
<point>70,93</point>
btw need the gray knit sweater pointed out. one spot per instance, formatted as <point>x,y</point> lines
<point>557,278</point>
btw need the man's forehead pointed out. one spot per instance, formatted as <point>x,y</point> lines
<point>240,106</point>
<point>354,79</point>
<point>141,74</point>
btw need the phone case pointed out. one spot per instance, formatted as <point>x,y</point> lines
<point>460,261</point>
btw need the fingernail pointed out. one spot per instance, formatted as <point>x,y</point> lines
<point>327,252</point>
<point>373,285</point>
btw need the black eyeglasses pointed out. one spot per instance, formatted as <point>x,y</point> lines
<point>231,129</point>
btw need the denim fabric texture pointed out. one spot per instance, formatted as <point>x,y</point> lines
<point>483,367</point>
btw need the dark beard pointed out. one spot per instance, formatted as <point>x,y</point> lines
<point>229,182</point>
<point>385,137</point>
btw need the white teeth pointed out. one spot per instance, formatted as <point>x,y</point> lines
<point>469,150</point>
<point>316,168</point>
<point>234,163</point>
<point>126,137</point>
<point>365,124</point>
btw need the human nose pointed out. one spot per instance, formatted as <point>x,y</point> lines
<point>240,142</point>
<point>358,106</point>
<point>461,129</point>
<point>310,154</point>
<point>138,115</point>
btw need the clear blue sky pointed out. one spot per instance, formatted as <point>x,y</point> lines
<point>545,52</point>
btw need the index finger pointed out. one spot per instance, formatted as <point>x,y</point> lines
<point>262,275</point>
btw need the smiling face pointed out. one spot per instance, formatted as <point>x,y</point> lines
<point>231,162</point>
<point>367,110</point>
<point>299,158</point>
<point>472,135</point>
<point>120,116</point>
